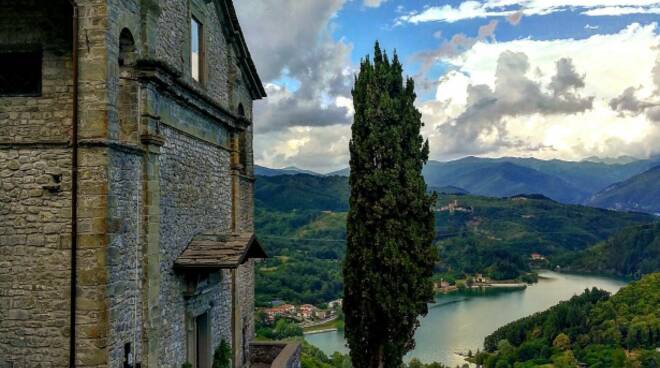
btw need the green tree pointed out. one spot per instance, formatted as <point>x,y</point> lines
<point>390,256</point>
<point>562,342</point>
<point>222,355</point>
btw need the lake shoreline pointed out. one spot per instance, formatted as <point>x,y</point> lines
<point>459,321</point>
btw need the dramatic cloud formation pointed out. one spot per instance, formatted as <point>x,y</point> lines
<point>581,95</point>
<point>481,127</point>
<point>629,103</point>
<point>509,8</point>
<point>566,78</point>
<point>306,71</point>
<point>547,98</point>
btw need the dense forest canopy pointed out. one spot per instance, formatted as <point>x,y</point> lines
<point>593,328</point>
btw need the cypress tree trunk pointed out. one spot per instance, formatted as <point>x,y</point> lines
<point>390,253</point>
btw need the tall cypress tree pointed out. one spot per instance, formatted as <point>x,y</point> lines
<point>390,253</point>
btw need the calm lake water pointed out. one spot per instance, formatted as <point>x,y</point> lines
<point>459,322</point>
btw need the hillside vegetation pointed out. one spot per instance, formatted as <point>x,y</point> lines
<point>630,252</point>
<point>592,329</point>
<point>304,234</point>
<point>302,192</point>
<point>496,236</point>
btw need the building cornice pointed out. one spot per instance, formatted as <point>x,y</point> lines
<point>169,81</point>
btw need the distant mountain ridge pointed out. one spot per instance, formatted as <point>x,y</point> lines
<point>638,193</point>
<point>573,182</point>
<point>505,179</point>
<point>291,170</point>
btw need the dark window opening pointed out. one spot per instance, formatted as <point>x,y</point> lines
<point>128,357</point>
<point>127,50</point>
<point>20,73</point>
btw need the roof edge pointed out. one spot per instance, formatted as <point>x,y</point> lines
<point>235,33</point>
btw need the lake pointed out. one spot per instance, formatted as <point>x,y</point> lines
<point>460,321</point>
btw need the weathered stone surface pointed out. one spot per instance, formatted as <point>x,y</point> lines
<point>138,203</point>
<point>35,269</point>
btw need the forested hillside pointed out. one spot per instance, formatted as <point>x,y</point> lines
<point>497,236</point>
<point>592,329</point>
<point>302,192</point>
<point>304,233</point>
<point>630,252</point>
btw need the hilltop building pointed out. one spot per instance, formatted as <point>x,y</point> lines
<point>454,206</point>
<point>537,257</point>
<point>126,190</point>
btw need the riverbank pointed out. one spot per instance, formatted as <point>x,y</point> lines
<point>320,331</point>
<point>326,326</point>
<point>477,282</point>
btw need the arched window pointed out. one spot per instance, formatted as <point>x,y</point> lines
<point>241,110</point>
<point>127,50</point>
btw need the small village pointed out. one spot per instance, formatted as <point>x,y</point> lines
<point>305,315</point>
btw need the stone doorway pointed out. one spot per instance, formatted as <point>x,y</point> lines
<point>203,341</point>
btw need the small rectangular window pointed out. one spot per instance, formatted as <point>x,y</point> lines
<point>196,49</point>
<point>20,73</point>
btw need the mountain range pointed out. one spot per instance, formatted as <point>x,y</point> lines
<point>639,193</point>
<point>623,183</point>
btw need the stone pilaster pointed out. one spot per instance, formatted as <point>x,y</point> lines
<point>152,141</point>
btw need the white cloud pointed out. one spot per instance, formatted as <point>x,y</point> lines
<point>601,66</point>
<point>621,10</point>
<point>373,3</point>
<point>472,9</point>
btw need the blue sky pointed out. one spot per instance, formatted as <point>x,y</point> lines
<point>571,79</point>
<point>362,25</point>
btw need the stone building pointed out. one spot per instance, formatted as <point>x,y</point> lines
<point>126,180</point>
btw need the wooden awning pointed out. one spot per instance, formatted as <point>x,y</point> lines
<point>211,251</point>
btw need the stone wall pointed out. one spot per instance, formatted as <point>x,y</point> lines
<point>246,204</point>
<point>34,257</point>
<point>129,198</point>
<point>174,48</point>
<point>125,254</point>
<point>36,133</point>
<point>35,191</point>
<point>195,197</point>
<point>245,281</point>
